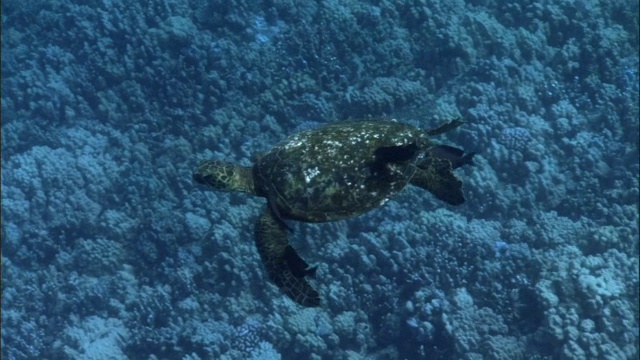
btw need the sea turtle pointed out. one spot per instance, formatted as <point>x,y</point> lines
<point>334,172</point>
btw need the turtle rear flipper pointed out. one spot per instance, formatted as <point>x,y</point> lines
<point>456,156</point>
<point>284,266</point>
<point>392,154</point>
<point>446,127</point>
<point>436,176</point>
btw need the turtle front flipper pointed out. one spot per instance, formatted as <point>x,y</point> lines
<point>283,264</point>
<point>436,176</point>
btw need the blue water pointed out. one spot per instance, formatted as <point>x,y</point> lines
<point>110,251</point>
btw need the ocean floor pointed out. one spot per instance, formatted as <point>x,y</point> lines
<point>111,251</point>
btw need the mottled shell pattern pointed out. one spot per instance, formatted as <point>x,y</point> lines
<point>325,174</point>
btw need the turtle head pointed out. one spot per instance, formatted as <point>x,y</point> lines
<point>224,176</point>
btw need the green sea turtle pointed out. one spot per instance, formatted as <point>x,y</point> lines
<point>330,173</point>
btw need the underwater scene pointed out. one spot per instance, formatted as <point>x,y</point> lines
<point>327,179</point>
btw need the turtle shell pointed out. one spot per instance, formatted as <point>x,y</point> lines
<point>335,171</point>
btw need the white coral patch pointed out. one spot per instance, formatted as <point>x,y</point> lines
<point>310,173</point>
